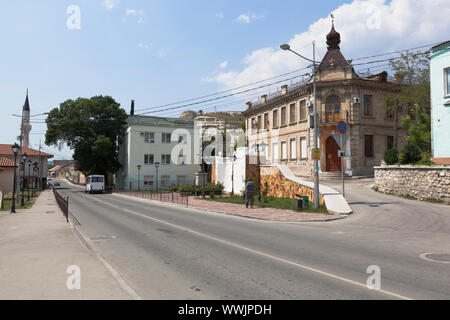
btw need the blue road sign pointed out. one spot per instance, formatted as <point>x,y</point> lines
<point>342,127</point>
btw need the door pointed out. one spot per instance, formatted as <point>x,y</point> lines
<point>333,161</point>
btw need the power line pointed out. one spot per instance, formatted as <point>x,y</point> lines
<point>220,92</point>
<point>393,52</point>
<point>225,96</point>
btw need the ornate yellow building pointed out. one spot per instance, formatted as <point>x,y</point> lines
<point>282,124</point>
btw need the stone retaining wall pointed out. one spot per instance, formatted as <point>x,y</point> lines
<point>281,187</point>
<point>423,183</point>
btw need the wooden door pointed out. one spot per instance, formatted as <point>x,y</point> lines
<point>333,161</point>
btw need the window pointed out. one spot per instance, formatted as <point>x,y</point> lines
<point>293,143</point>
<point>283,116</point>
<point>275,151</point>
<point>275,118</point>
<point>253,123</point>
<point>303,148</point>
<point>148,181</point>
<point>266,121</point>
<point>181,138</point>
<point>149,137</point>
<point>165,181</point>
<point>259,123</point>
<point>181,180</point>
<point>368,146</point>
<point>389,110</point>
<point>166,138</point>
<point>293,113</point>
<point>367,105</point>
<point>389,142</point>
<point>333,109</point>
<point>283,150</point>
<point>165,159</point>
<point>447,81</point>
<point>303,110</point>
<point>149,159</point>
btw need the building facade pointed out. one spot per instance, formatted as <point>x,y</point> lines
<point>440,102</point>
<point>151,140</point>
<point>282,125</point>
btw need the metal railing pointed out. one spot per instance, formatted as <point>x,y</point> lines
<point>171,197</point>
<point>331,117</point>
<point>63,203</point>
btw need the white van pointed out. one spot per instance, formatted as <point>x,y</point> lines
<point>95,184</point>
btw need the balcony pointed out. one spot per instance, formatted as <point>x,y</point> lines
<point>331,118</point>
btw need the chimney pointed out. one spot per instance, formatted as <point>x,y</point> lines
<point>264,98</point>
<point>132,108</point>
<point>284,89</point>
<point>249,105</point>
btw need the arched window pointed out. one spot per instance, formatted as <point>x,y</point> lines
<point>333,109</point>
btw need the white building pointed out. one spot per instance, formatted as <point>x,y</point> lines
<point>150,140</point>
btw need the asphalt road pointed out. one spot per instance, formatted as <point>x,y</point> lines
<point>168,252</point>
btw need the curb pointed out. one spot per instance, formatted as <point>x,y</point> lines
<point>340,217</point>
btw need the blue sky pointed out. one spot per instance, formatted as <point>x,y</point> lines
<point>158,52</point>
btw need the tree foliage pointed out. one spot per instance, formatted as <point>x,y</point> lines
<point>418,126</point>
<point>92,128</point>
<point>414,69</point>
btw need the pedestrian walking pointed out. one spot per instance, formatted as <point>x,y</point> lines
<point>249,194</point>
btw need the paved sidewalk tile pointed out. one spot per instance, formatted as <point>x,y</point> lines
<point>36,248</point>
<point>259,213</point>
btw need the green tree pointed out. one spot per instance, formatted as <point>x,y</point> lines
<point>418,126</point>
<point>92,128</point>
<point>414,69</point>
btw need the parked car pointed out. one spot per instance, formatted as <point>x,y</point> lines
<point>56,184</point>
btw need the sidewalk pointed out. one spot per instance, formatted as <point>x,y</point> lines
<point>36,248</point>
<point>260,213</point>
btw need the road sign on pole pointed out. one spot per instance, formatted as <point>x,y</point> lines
<point>342,127</point>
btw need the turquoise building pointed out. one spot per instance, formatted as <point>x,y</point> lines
<point>440,102</point>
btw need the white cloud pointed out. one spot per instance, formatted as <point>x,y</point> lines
<point>134,12</point>
<point>366,26</point>
<point>223,65</point>
<point>248,17</point>
<point>139,14</point>
<point>143,46</point>
<point>110,4</point>
<point>220,15</point>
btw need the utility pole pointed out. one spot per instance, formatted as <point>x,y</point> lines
<point>20,159</point>
<point>39,168</point>
<point>316,134</point>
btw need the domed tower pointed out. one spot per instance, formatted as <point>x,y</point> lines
<point>26,127</point>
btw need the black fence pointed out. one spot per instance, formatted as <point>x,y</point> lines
<point>63,203</point>
<point>172,197</point>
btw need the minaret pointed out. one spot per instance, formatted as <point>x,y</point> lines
<point>26,127</point>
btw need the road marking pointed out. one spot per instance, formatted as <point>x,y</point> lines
<point>257,252</point>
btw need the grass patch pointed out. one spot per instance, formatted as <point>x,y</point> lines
<point>27,204</point>
<point>268,202</point>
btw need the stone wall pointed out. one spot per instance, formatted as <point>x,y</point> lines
<point>279,186</point>
<point>422,183</point>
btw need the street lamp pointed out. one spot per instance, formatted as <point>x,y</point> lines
<point>24,163</point>
<point>35,169</point>
<point>232,174</point>
<point>316,162</point>
<point>29,178</point>
<point>15,149</point>
<point>139,177</point>
<point>156,167</point>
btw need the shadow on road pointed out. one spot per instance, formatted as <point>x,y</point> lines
<point>372,204</point>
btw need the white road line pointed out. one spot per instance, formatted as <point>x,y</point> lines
<point>257,252</point>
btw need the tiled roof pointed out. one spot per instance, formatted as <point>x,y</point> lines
<point>333,58</point>
<point>6,149</point>
<point>6,163</point>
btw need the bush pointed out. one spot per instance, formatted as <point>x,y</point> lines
<point>410,154</point>
<point>173,188</point>
<point>426,159</point>
<point>391,156</point>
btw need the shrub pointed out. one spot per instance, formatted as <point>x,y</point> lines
<point>391,156</point>
<point>426,159</point>
<point>410,154</point>
<point>173,188</point>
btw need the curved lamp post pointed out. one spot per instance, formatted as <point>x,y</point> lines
<point>29,162</point>
<point>139,177</point>
<point>15,149</point>
<point>156,167</point>
<point>316,162</point>
<point>24,163</point>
